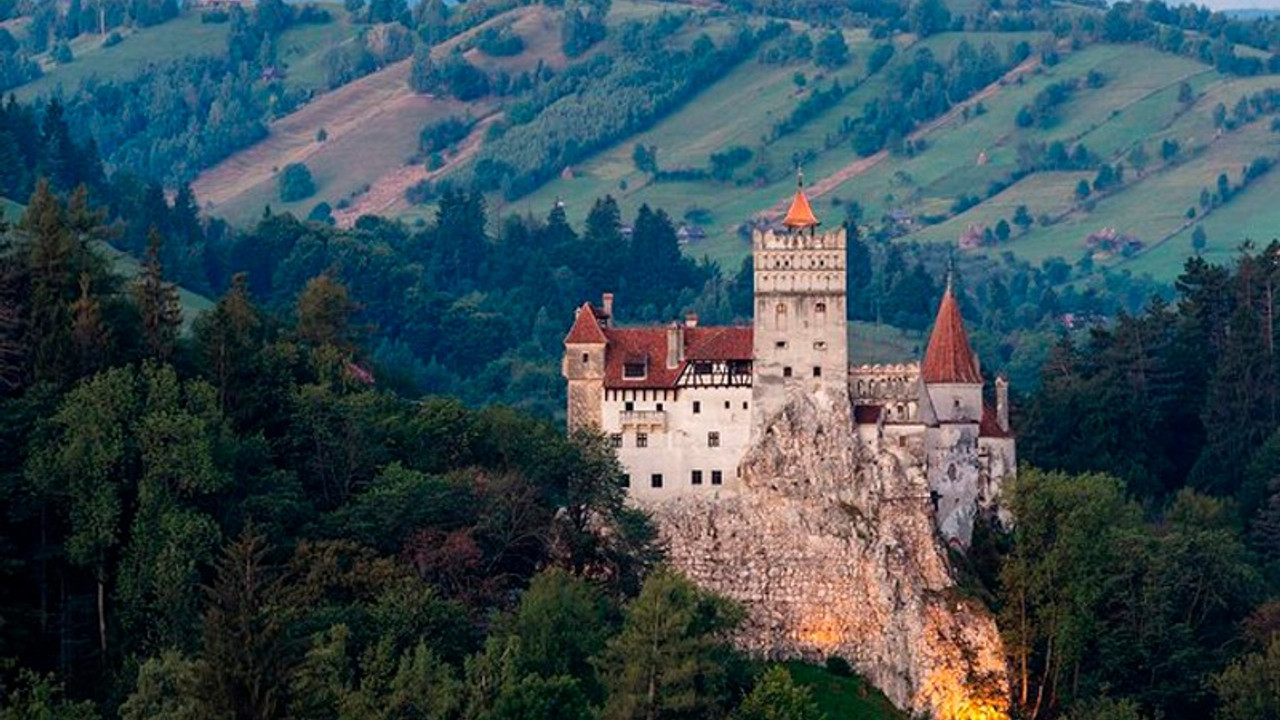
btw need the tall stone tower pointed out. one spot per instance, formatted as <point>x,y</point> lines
<point>800,338</point>
<point>583,364</point>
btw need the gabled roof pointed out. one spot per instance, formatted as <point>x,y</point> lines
<point>949,359</point>
<point>586,328</point>
<point>648,345</point>
<point>726,342</point>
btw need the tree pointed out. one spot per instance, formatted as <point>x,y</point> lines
<point>1002,230</point>
<point>832,51</point>
<point>645,158</point>
<point>158,303</point>
<point>669,651</point>
<point>244,639</point>
<point>166,689</point>
<point>1199,240</point>
<point>296,183</point>
<point>1250,687</point>
<point>43,697</point>
<point>928,17</point>
<point>1138,157</point>
<point>777,697</point>
<point>561,623</point>
<point>325,311</point>
<point>1185,94</point>
<point>1022,218</point>
<point>1082,189</point>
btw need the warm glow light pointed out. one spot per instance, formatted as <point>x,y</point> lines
<point>953,699</point>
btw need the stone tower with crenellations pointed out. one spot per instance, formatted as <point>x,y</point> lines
<point>800,330</point>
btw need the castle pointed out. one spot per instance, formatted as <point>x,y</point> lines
<point>682,404</point>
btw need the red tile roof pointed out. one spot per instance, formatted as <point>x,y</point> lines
<point>586,328</point>
<point>726,342</point>
<point>949,359</point>
<point>649,345</point>
<point>990,426</point>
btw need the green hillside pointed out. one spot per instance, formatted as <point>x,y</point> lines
<point>961,174</point>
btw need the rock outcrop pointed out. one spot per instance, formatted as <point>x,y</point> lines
<point>831,547</point>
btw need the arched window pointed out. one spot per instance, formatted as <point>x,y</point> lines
<point>820,307</point>
<point>780,316</point>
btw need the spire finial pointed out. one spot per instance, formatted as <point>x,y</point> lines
<point>799,178</point>
<point>800,215</point>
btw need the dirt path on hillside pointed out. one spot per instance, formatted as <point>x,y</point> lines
<point>862,165</point>
<point>387,193</point>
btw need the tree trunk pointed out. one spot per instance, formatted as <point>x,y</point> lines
<point>102,618</point>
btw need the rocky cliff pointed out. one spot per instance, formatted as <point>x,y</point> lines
<point>831,546</point>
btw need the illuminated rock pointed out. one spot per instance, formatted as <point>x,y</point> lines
<point>832,547</point>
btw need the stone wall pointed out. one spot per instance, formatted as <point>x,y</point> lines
<point>832,548</point>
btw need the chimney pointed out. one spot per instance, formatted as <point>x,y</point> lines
<point>675,344</point>
<point>691,320</point>
<point>1002,402</point>
<point>606,301</point>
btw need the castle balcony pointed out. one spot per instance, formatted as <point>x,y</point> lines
<point>644,420</point>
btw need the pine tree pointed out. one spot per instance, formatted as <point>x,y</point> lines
<point>668,652</point>
<point>158,303</point>
<point>55,263</point>
<point>244,643</point>
<point>89,335</point>
<point>228,339</point>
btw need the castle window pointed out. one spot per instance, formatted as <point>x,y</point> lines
<point>781,344</point>
<point>633,370</point>
<point>642,440</point>
<point>655,480</point>
<point>697,406</point>
<point>820,307</point>
<point>726,404</point>
<point>659,407</point>
<point>716,477</point>
<point>626,481</point>
<point>786,372</point>
<point>817,371</point>
<point>780,316</point>
<point>702,368</point>
<point>628,406</point>
<point>713,439</point>
<point>616,440</point>
<point>744,405</point>
<point>586,358</point>
<point>696,477</point>
<point>820,345</point>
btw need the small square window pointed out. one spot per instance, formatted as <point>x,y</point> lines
<point>697,406</point>
<point>817,371</point>
<point>659,407</point>
<point>633,370</point>
<point>585,358</point>
<point>655,480</point>
<point>696,477</point>
<point>642,440</point>
<point>629,406</point>
<point>616,440</point>
<point>713,439</point>
<point>716,477</point>
<point>786,372</point>
<point>781,344</point>
<point>726,404</point>
<point>626,481</point>
<point>744,404</point>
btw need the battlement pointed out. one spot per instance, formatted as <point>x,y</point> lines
<point>799,240</point>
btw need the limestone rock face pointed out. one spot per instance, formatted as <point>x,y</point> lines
<point>831,547</point>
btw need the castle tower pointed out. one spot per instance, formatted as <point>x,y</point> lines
<point>584,364</point>
<point>950,369</point>
<point>800,339</point>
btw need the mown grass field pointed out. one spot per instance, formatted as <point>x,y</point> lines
<point>740,109</point>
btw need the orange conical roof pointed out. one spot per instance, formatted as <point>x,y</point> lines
<point>949,359</point>
<point>800,215</point>
<point>586,328</point>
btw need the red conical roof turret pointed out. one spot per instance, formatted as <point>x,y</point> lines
<point>949,359</point>
<point>800,215</point>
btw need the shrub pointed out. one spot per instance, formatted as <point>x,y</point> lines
<point>296,183</point>
<point>839,667</point>
<point>112,40</point>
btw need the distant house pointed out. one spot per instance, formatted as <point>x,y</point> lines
<point>690,233</point>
